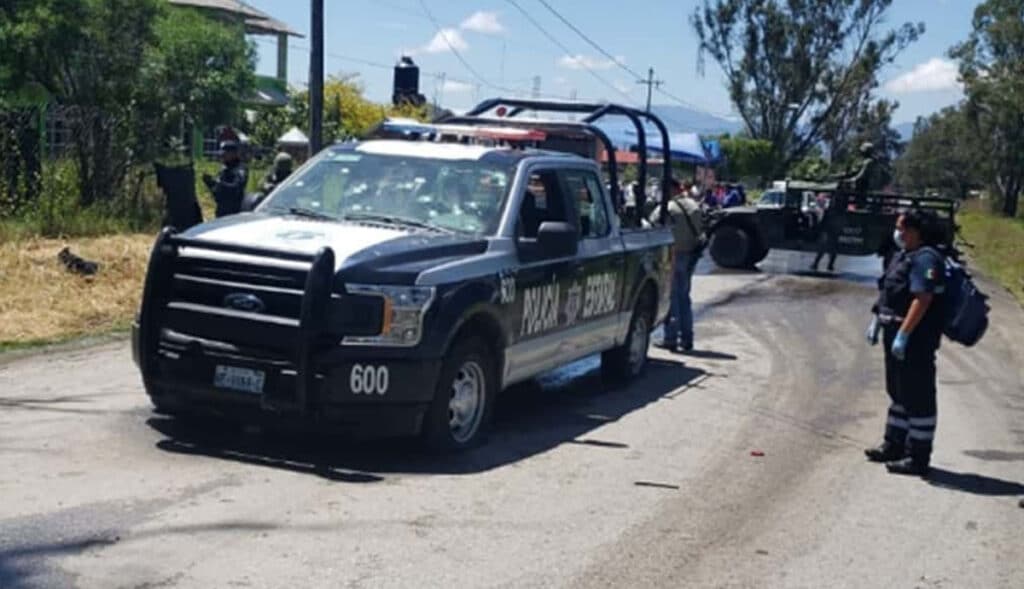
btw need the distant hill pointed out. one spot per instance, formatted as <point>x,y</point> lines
<point>680,119</point>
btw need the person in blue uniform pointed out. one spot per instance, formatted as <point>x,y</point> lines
<point>909,317</point>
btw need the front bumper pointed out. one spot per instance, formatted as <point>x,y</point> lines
<point>307,378</point>
<point>363,393</point>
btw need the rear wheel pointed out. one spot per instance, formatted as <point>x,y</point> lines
<point>630,359</point>
<point>464,397</point>
<point>731,247</point>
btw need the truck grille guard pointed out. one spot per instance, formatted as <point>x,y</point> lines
<point>315,302</point>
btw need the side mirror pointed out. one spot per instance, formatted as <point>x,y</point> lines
<point>557,239</point>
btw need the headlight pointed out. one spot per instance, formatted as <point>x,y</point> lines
<point>404,308</point>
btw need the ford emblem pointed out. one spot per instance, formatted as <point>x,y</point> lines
<point>242,301</point>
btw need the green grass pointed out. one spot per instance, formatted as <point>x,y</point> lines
<point>996,245</point>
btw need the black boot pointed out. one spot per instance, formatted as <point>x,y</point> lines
<point>886,452</point>
<point>917,467</point>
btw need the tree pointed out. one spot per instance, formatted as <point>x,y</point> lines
<point>33,34</point>
<point>943,155</point>
<point>992,69</point>
<point>198,69</point>
<point>873,124</point>
<point>97,84</point>
<point>794,69</point>
<point>347,113</point>
<point>747,158</point>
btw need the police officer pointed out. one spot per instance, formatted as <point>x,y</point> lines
<point>282,169</point>
<point>909,314</point>
<point>228,187</point>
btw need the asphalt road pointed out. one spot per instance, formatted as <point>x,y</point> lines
<point>740,466</point>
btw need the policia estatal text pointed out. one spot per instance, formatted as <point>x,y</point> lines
<point>909,315</point>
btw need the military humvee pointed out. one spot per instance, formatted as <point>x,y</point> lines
<point>815,217</point>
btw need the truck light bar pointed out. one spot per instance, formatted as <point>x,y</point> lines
<point>496,133</point>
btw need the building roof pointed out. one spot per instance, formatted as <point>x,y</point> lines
<point>293,137</point>
<point>256,21</point>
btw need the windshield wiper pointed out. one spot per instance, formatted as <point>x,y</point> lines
<point>396,220</point>
<point>311,214</point>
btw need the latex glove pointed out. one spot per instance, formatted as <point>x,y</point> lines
<point>872,333</point>
<point>899,345</point>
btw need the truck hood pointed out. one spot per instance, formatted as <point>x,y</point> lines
<point>363,252</point>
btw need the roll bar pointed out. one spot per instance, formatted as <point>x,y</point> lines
<point>593,112</point>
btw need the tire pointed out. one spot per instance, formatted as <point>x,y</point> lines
<point>731,247</point>
<point>458,419</point>
<point>758,254</point>
<point>629,360</point>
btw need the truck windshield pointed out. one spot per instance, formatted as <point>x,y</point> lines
<point>463,196</point>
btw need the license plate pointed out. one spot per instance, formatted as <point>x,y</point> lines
<point>239,379</point>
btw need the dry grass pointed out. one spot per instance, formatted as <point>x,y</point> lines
<point>42,302</point>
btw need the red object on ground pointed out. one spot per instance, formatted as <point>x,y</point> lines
<point>757,453</point>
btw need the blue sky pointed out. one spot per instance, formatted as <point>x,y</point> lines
<point>506,50</point>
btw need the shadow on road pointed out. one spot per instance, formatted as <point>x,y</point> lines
<point>975,484</point>
<point>28,564</point>
<point>561,407</point>
<point>709,355</point>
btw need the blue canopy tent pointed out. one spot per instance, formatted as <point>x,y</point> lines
<point>685,147</point>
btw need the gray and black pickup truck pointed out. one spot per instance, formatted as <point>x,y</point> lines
<point>395,286</point>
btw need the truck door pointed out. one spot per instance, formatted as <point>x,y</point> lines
<point>596,283</point>
<point>537,322</point>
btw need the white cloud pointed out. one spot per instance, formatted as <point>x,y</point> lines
<point>484,22</point>
<point>623,87</point>
<point>585,62</point>
<point>446,40</point>
<point>455,87</point>
<point>933,75</point>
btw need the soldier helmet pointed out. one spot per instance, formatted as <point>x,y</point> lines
<point>867,148</point>
<point>282,158</point>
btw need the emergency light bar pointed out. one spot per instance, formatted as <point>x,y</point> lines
<point>410,129</point>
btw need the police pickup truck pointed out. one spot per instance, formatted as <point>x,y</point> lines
<point>395,286</point>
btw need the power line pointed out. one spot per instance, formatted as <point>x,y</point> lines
<point>567,51</point>
<point>458,54</point>
<point>364,61</point>
<point>618,62</point>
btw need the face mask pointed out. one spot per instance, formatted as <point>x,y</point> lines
<point>897,236</point>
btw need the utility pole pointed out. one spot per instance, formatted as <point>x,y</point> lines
<point>651,84</point>
<point>316,79</point>
<point>439,95</point>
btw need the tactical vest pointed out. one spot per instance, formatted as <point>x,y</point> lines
<point>895,297</point>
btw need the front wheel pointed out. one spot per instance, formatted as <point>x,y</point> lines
<point>464,397</point>
<point>731,247</point>
<point>629,360</point>
<point>757,255</point>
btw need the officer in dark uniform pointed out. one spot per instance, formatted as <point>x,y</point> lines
<point>283,164</point>
<point>228,187</point>
<point>909,314</point>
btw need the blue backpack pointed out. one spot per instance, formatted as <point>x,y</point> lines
<point>966,307</point>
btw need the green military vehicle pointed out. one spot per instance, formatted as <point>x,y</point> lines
<point>816,217</point>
